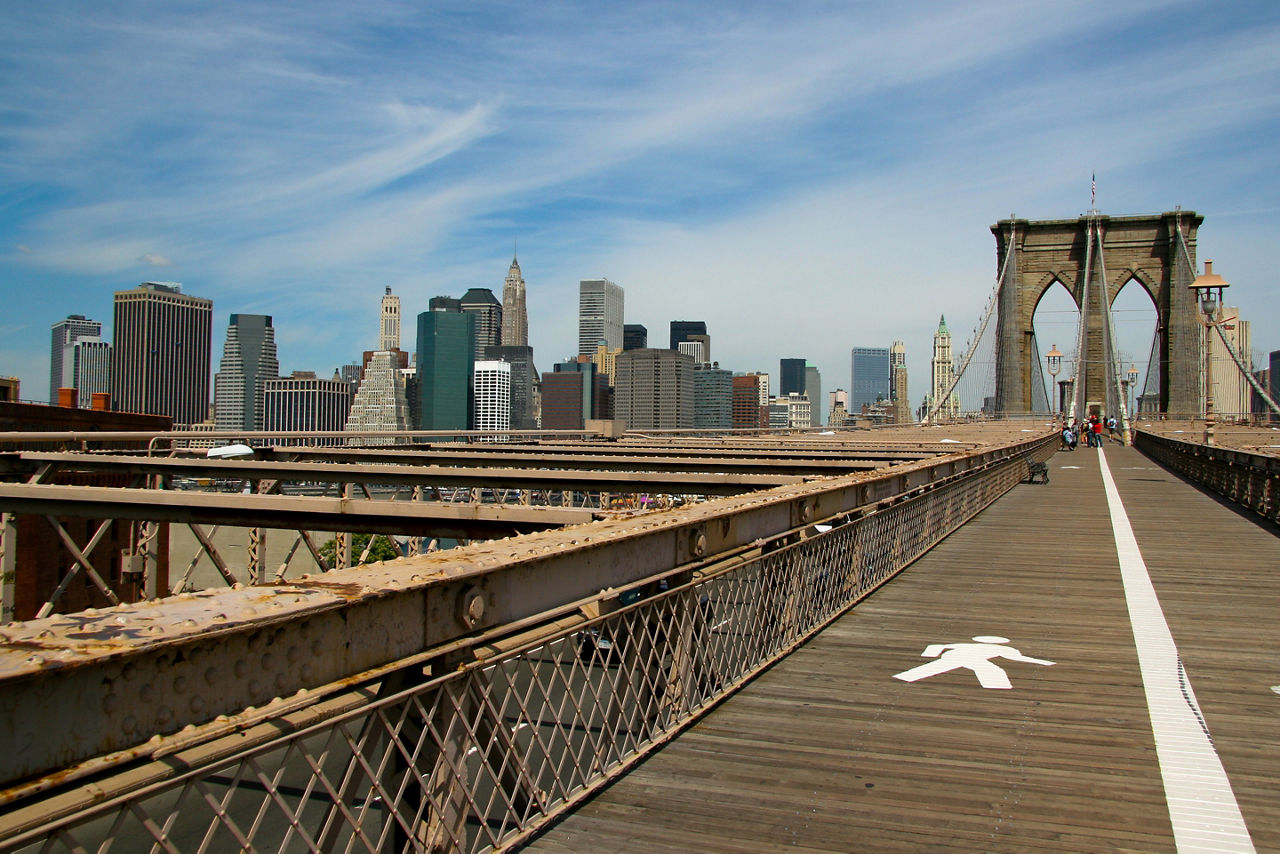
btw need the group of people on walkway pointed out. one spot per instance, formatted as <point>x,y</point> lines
<point>1091,429</point>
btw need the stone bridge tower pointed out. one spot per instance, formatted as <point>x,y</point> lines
<point>1094,256</point>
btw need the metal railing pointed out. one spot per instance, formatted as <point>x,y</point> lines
<point>477,743</point>
<point>1247,479</point>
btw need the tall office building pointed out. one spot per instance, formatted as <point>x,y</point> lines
<point>897,359</point>
<point>696,350</point>
<point>90,369</point>
<point>750,401</point>
<point>790,376</point>
<point>654,389</point>
<point>304,403</point>
<point>446,359</point>
<point>690,330</point>
<point>248,360</point>
<point>491,385</point>
<point>484,306</point>
<point>813,391</point>
<point>712,397</point>
<point>515,316</point>
<point>943,373</point>
<point>600,304</point>
<point>523,374</point>
<point>572,393</point>
<point>902,403</point>
<point>65,333</point>
<point>634,336</point>
<point>389,331</point>
<point>870,377</point>
<point>160,357</point>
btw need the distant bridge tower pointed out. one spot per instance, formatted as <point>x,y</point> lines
<point>1094,256</point>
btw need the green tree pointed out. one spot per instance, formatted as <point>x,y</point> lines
<point>383,549</point>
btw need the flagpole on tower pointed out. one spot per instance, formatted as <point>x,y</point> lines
<point>1093,193</point>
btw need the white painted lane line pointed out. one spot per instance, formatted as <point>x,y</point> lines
<point>1202,807</point>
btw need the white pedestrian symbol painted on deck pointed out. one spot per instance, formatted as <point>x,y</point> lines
<point>971,656</point>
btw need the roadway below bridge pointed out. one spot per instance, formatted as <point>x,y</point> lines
<point>1136,628</point>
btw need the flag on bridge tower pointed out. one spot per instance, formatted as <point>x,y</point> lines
<point>1093,190</point>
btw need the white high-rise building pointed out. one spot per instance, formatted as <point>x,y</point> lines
<point>943,373</point>
<point>389,336</point>
<point>599,315</point>
<point>90,369</point>
<point>491,384</point>
<point>65,333</point>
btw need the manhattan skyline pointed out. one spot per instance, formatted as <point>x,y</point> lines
<point>806,181</point>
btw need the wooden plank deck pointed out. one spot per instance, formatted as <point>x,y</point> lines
<point>827,751</point>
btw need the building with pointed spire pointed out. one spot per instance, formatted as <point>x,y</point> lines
<point>515,317</point>
<point>943,373</point>
<point>381,401</point>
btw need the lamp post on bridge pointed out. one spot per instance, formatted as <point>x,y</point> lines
<point>1054,360</point>
<point>1132,373</point>
<point>1208,289</point>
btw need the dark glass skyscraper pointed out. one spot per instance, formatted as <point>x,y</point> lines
<point>446,358</point>
<point>869,369</point>
<point>634,336</point>
<point>681,330</point>
<point>791,377</point>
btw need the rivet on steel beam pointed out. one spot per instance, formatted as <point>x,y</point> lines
<point>700,544</point>
<point>471,607</point>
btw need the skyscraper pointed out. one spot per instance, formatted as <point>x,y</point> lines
<point>446,356</point>
<point>481,303</point>
<point>491,384</point>
<point>712,397</point>
<point>522,376</point>
<point>248,360</point>
<point>1231,391</point>
<point>870,377</point>
<point>634,336</point>
<point>160,357</point>
<point>515,317</point>
<point>813,391</point>
<point>65,333</point>
<point>573,393</point>
<point>654,389</point>
<point>943,372</point>
<point>389,334</point>
<point>600,304</point>
<point>684,330</point>
<point>897,359</point>
<point>302,402</point>
<point>380,403</point>
<point>90,369</point>
<point>791,377</point>
<point>750,401</point>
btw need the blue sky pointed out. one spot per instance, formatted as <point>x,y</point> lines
<point>806,178</point>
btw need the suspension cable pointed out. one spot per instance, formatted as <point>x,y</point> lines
<point>1235,356</point>
<point>982,328</point>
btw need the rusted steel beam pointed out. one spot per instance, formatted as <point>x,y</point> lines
<point>687,483</point>
<point>473,521</point>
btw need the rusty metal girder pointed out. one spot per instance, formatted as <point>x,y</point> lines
<point>78,686</point>
<point>471,521</point>
<point>695,483</point>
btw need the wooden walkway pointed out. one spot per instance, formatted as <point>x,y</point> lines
<point>827,751</point>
